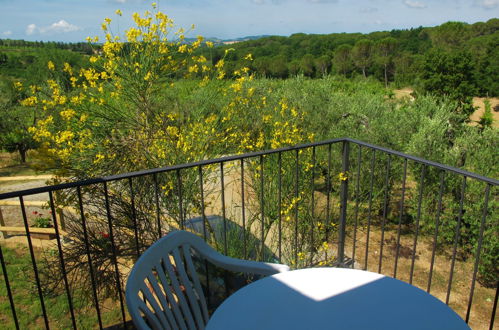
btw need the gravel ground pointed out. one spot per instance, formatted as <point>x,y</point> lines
<point>12,214</point>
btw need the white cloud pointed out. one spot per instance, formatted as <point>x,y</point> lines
<point>58,27</point>
<point>489,4</point>
<point>31,29</point>
<point>414,4</point>
<point>7,33</point>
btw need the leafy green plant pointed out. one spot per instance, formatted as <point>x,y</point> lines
<point>41,221</point>
<point>487,119</point>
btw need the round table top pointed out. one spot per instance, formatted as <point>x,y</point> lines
<point>327,298</point>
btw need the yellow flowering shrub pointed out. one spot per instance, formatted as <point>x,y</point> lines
<point>129,109</point>
<point>120,88</point>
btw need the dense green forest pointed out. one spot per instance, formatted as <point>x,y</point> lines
<point>82,47</point>
<point>402,56</point>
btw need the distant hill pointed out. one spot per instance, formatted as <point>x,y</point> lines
<point>219,42</point>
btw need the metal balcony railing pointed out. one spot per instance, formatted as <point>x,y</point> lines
<point>340,202</point>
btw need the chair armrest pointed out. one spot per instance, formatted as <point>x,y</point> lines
<point>244,266</point>
<point>180,237</point>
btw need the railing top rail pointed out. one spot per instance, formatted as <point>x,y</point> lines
<point>468,174</point>
<point>45,189</point>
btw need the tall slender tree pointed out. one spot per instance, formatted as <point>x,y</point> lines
<point>385,50</point>
<point>307,65</point>
<point>342,58</point>
<point>322,65</point>
<point>362,54</point>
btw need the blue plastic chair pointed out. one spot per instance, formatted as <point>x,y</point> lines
<point>163,290</point>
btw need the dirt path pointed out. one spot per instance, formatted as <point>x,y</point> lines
<point>26,177</point>
<point>479,102</point>
<point>404,93</point>
<point>10,209</point>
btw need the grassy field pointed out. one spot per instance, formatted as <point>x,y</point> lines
<point>27,303</point>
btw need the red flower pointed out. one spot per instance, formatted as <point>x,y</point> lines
<point>35,212</point>
<point>104,235</point>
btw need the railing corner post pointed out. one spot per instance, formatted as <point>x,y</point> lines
<point>344,178</point>
<point>3,234</point>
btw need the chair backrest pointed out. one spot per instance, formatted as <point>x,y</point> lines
<point>165,287</point>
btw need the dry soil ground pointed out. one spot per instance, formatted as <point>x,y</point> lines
<point>478,102</point>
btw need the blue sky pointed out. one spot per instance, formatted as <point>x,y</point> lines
<point>74,20</point>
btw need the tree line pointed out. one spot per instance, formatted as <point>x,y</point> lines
<point>81,47</point>
<point>449,59</point>
<point>398,56</point>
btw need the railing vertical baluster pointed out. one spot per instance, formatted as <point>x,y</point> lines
<point>437,223</point>
<point>115,258</point>
<point>222,184</point>
<point>297,181</point>
<point>3,234</point>
<point>180,206</point>
<point>478,250</point>
<point>345,167</point>
<point>262,210</point>
<point>456,238</point>
<point>156,200</point>
<point>401,215</point>
<point>61,260</point>
<point>312,211</point>
<point>89,258</point>
<point>328,196</point>
<point>357,200</point>
<point>494,309</point>
<point>369,212</point>
<point>279,204</point>
<point>418,218</point>
<point>134,218</point>
<point>203,215</point>
<point>9,292</point>
<point>243,211</point>
<point>205,234</point>
<point>385,213</point>
<point>33,260</point>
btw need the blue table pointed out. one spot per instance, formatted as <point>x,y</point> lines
<point>333,298</point>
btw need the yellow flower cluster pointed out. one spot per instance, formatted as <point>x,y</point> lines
<point>29,101</point>
<point>288,208</point>
<point>342,176</point>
